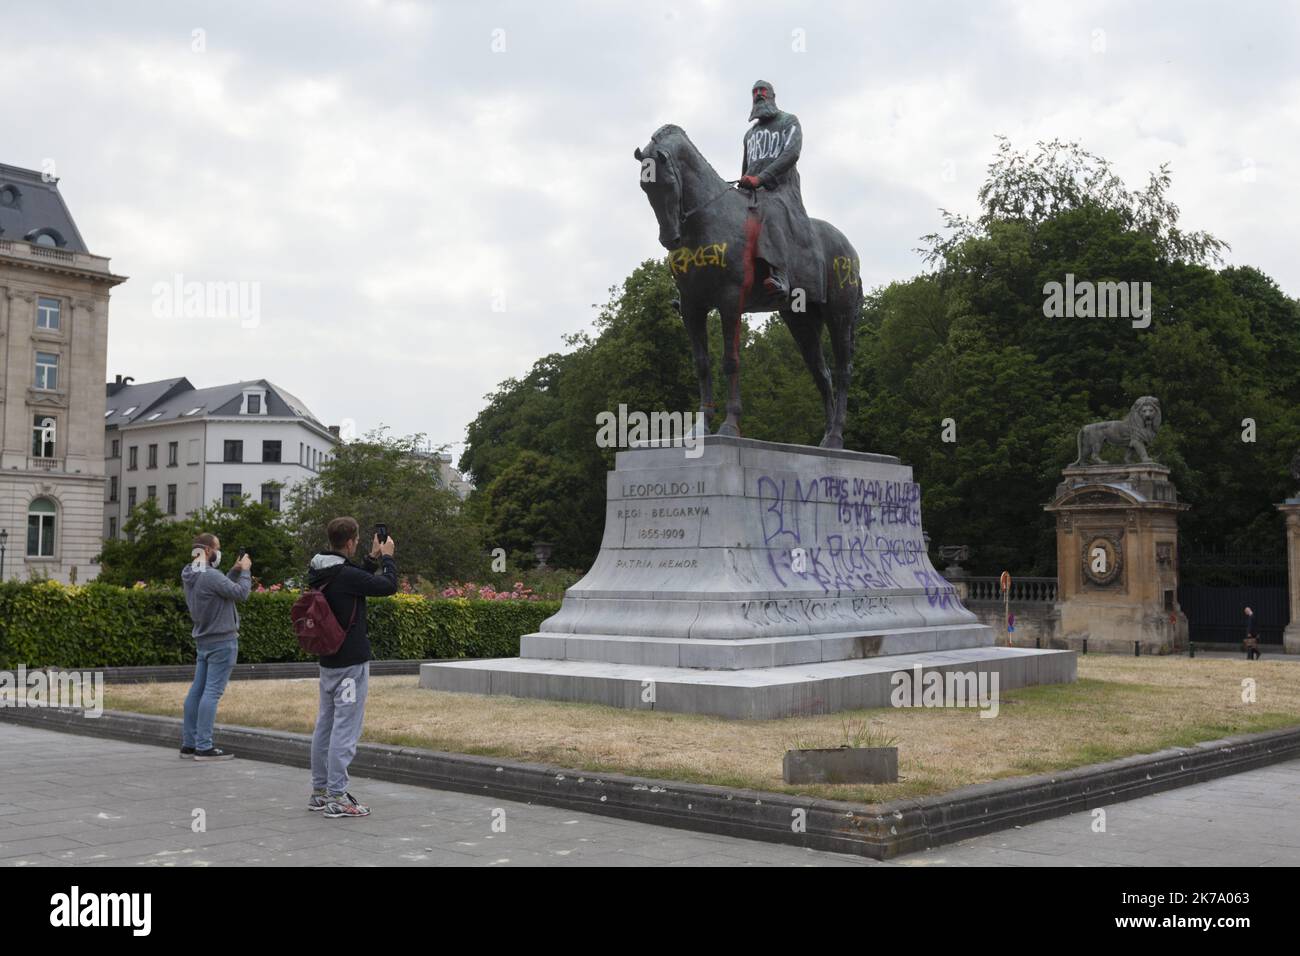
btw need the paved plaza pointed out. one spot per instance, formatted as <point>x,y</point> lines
<point>68,800</point>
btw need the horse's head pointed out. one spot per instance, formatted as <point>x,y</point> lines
<point>662,182</point>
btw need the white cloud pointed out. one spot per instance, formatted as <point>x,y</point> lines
<point>383,174</point>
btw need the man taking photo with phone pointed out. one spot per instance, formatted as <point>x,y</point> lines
<point>345,674</point>
<point>211,597</point>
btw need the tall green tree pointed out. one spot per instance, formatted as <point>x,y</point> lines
<point>970,342</point>
<point>394,481</point>
<point>155,547</point>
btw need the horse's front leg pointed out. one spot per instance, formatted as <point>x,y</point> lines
<point>731,326</point>
<point>696,319</point>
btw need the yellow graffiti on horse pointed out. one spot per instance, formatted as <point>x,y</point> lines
<point>846,271</point>
<point>714,254</point>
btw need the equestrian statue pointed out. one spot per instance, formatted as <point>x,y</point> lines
<point>748,246</point>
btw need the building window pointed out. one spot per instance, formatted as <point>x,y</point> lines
<point>117,448</point>
<point>271,451</point>
<point>230,495</point>
<point>130,500</point>
<point>47,313</point>
<point>112,488</point>
<point>234,451</point>
<point>40,529</point>
<point>47,371</point>
<point>254,404</point>
<point>112,527</point>
<point>300,453</point>
<point>153,456</point>
<point>171,499</point>
<point>173,452</point>
<point>271,496</point>
<point>132,457</point>
<point>152,493</point>
<point>46,236</point>
<point>42,437</point>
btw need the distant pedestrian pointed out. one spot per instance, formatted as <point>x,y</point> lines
<point>211,598</point>
<point>345,675</point>
<point>1252,635</point>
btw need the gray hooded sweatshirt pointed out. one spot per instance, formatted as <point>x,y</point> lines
<point>211,597</point>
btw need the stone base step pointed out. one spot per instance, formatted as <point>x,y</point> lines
<point>759,693</point>
<point>749,653</point>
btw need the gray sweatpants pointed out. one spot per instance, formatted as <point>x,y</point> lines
<point>338,725</point>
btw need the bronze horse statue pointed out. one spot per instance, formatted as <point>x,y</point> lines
<point>710,230</point>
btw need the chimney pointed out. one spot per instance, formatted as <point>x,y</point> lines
<point>118,384</point>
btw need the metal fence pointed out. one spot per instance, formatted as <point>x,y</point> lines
<point>1216,585</point>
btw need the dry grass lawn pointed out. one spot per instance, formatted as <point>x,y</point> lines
<point>1120,706</point>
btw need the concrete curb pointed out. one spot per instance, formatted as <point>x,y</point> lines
<point>279,671</point>
<point>880,831</point>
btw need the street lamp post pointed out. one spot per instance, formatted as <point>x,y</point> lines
<point>4,540</point>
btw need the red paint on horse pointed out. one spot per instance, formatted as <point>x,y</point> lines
<point>752,226</point>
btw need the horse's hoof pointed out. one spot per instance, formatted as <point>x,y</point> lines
<point>832,442</point>
<point>729,430</point>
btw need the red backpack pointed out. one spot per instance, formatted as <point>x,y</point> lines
<point>315,625</point>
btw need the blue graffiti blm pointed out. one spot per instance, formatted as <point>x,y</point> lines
<point>855,534</point>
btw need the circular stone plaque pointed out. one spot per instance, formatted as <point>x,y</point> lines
<point>1102,558</point>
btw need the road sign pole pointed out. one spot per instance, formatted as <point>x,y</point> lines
<point>1005,581</point>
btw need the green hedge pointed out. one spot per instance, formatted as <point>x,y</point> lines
<point>46,624</point>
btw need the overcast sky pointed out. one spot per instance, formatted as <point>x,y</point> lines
<point>424,213</point>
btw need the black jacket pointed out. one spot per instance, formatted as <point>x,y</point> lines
<point>346,587</point>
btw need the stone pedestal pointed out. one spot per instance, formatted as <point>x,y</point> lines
<point>1117,558</point>
<point>753,580</point>
<point>1291,636</point>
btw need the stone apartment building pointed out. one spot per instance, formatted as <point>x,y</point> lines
<point>190,447</point>
<point>54,298</point>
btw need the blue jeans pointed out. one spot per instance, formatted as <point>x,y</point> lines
<point>211,673</point>
<point>338,725</point>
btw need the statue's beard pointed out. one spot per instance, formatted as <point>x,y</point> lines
<point>764,109</point>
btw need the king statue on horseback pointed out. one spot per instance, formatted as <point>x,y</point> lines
<point>785,240</point>
<point>754,249</point>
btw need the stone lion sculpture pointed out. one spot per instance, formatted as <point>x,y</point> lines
<point>1132,433</point>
